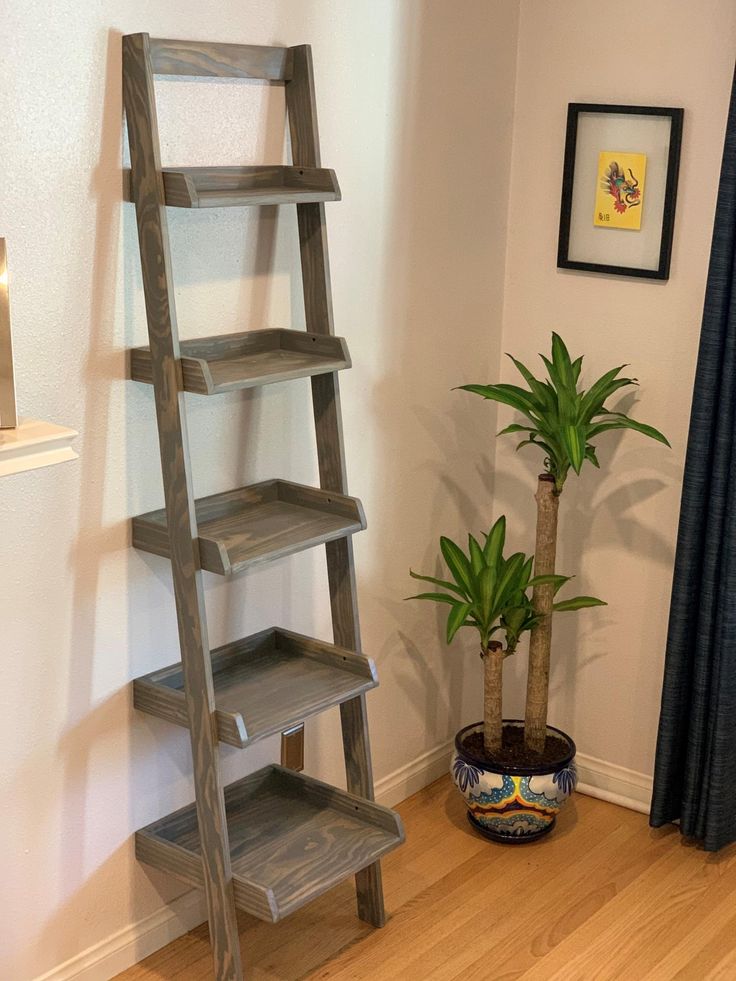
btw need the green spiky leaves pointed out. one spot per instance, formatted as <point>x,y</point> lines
<point>562,419</point>
<point>489,592</point>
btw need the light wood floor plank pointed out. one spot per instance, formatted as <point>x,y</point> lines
<point>449,916</point>
<point>603,899</point>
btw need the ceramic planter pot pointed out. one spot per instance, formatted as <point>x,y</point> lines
<point>512,804</point>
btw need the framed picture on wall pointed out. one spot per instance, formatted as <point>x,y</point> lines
<point>619,189</point>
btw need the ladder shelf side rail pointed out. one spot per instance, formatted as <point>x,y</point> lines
<point>140,111</point>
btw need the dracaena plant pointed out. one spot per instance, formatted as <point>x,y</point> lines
<point>489,593</point>
<point>562,419</point>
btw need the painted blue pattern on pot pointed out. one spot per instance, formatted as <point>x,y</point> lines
<point>490,794</point>
<point>512,806</point>
<point>567,779</point>
<point>465,774</point>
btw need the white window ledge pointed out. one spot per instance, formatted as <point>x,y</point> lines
<point>33,444</point>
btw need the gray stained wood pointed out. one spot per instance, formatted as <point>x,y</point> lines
<point>226,363</point>
<point>291,839</point>
<point>235,187</point>
<point>264,684</point>
<point>285,838</point>
<point>302,114</point>
<point>255,524</point>
<point>182,545</point>
<point>205,58</point>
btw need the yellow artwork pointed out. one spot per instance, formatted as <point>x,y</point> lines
<point>620,190</point>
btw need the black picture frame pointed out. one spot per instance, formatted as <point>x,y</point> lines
<point>574,110</point>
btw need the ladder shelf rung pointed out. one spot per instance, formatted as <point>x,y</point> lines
<point>254,524</point>
<point>291,839</point>
<point>206,58</point>
<point>264,684</point>
<point>232,187</point>
<point>228,362</point>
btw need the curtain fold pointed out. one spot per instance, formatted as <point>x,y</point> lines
<point>695,769</point>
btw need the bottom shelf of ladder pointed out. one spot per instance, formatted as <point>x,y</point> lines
<point>291,839</point>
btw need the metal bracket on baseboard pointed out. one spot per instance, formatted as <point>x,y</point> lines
<point>292,748</point>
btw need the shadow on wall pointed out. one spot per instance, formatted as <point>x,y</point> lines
<point>87,717</point>
<point>439,327</point>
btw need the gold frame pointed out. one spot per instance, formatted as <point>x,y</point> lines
<point>8,414</point>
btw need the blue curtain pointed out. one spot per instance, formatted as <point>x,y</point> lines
<point>695,770</point>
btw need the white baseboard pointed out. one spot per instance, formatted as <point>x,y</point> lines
<point>615,784</point>
<point>130,945</point>
<point>596,778</point>
<point>407,780</point>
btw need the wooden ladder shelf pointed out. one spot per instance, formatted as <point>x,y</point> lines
<point>276,839</point>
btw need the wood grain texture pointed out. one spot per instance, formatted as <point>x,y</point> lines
<point>303,129</point>
<point>148,193</point>
<point>259,523</point>
<point>206,58</point>
<point>226,363</point>
<point>263,684</point>
<point>604,898</point>
<point>240,187</point>
<point>291,836</point>
<point>186,865</point>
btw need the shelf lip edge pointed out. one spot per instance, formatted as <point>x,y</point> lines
<point>183,192</point>
<point>155,696</point>
<point>236,568</point>
<point>154,848</point>
<point>197,370</point>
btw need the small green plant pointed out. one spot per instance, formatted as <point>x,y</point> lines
<point>562,420</point>
<point>489,593</point>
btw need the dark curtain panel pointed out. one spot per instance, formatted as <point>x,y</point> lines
<point>695,771</point>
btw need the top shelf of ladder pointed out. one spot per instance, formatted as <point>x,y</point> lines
<point>235,187</point>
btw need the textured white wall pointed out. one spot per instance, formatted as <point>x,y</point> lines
<point>415,104</point>
<point>618,525</point>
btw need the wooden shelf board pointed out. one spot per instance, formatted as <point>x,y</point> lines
<point>225,363</point>
<point>33,444</point>
<point>291,839</point>
<point>264,684</point>
<point>254,524</point>
<point>232,187</point>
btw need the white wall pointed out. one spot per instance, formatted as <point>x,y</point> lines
<point>415,103</point>
<point>618,525</point>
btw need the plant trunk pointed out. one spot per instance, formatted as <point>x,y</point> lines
<point>540,641</point>
<point>492,699</point>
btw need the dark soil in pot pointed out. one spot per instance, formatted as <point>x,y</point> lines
<point>514,752</point>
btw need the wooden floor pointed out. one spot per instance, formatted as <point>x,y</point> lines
<point>604,898</point>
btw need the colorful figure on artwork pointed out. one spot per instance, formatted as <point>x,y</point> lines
<point>624,190</point>
<point>619,189</point>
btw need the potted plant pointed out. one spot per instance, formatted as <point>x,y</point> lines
<point>561,420</point>
<point>511,794</point>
